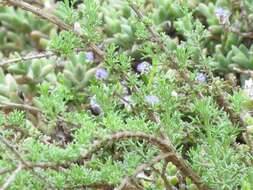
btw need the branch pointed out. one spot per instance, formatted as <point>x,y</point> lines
<point>53,19</point>
<point>248,35</point>
<point>164,146</point>
<point>24,163</point>
<point>33,56</point>
<point>150,28</point>
<point>9,105</point>
<point>28,57</point>
<point>6,170</point>
<point>12,149</point>
<point>102,186</point>
<point>39,12</point>
<point>11,179</point>
<point>140,168</point>
<point>120,136</point>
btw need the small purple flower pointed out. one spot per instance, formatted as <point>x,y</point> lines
<point>101,73</point>
<point>152,100</point>
<point>89,56</point>
<point>223,15</point>
<point>201,77</point>
<point>144,67</point>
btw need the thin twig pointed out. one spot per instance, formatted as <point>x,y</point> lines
<point>163,145</point>
<point>120,136</point>
<point>30,56</point>
<point>140,168</point>
<point>10,147</point>
<point>39,12</point>
<point>6,170</point>
<point>102,186</point>
<point>26,58</point>
<point>10,105</point>
<point>19,157</point>
<point>53,19</point>
<point>239,70</point>
<point>166,182</point>
<point>32,109</point>
<point>12,178</point>
<point>248,35</point>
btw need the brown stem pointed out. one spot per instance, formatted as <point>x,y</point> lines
<point>164,146</point>
<point>39,12</point>
<point>23,162</point>
<point>140,168</point>
<point>12,178</point>
<point>28,57</point>
<point>53,19</point>
<point>102,186</point>
<point>9,105</point>
<point>166,182</point>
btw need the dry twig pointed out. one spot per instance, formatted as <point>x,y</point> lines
<point>51,18</point>
<point>12,178</point>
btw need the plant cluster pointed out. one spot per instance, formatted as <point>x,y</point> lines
<point>126,95</point>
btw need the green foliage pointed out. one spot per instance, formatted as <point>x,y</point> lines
<point>65,43</point>
<point>59,112</point>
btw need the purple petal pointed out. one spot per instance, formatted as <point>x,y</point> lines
<point>201,77</point>
<point>152,100</point>
<point>89,56</point>
<point>101,74</point>
<point>222,14</point>
<point>144,67</point>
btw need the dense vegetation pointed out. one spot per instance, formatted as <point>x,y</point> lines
<point>126,94</point>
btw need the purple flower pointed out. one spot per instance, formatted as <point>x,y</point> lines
<point>144,67</point>
<point>223,15</point>
<point>201,77</point>
<point>152,100</point>
<point>101,73</point>
<point>89,56</point>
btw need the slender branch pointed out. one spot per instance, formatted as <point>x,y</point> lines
<point>163,145</point>
<point>39,12</point>
<point>6,170</point>
<point>248,35</point>
<point>26,58</point>
<point>166,182</point>
<point>140,168</point>
<point>5,63</point>
<point>10,147</point>
<point>9,105</point>
<point>120,136</point>
<point>53,19</point>
<point>11,179</point>
<point>239,70</point>
<point>150,28</point>
<point>102,186</point>
<point>19,157</point>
